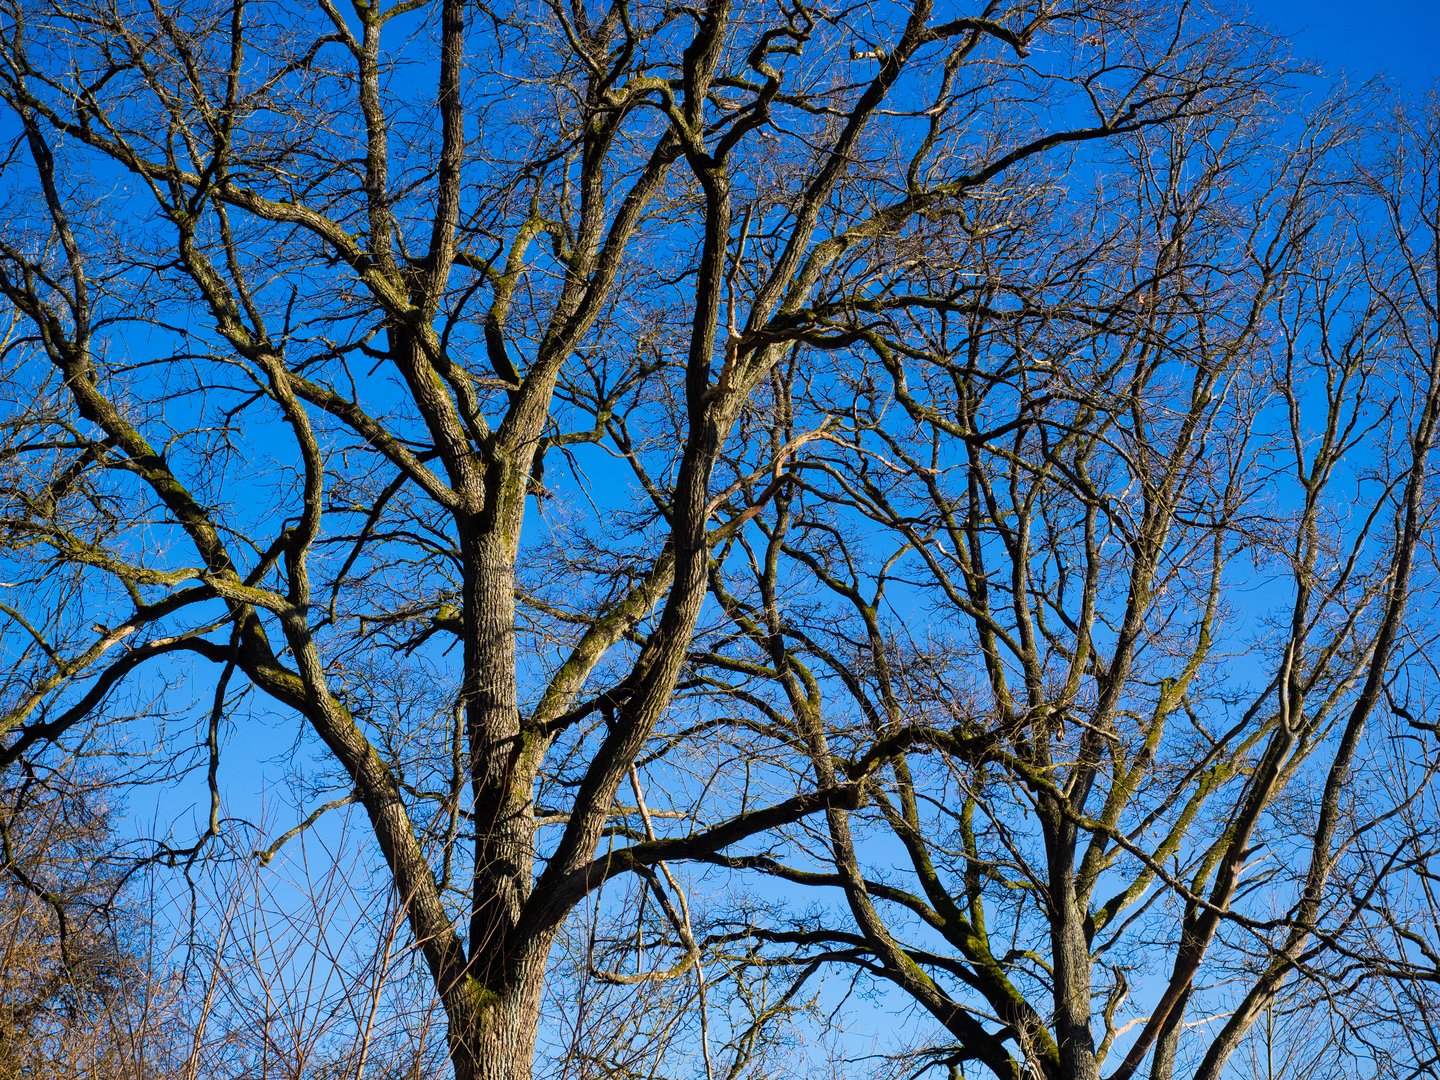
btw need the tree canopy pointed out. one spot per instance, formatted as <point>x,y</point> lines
<point>701,505</point>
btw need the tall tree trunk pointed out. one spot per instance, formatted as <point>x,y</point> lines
<point>493,1029</point>
<point>494,1016</point>
<point>501,782</point>
<point>1071,952</point>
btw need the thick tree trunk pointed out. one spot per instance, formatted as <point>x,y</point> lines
<point>494,1016</point>
<point>501,772</point>
<point>493,1031</point>
<point>1072,1000</point>
<point>1071,952</point>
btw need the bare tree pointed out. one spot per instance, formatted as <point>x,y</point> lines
<point>314,306</point>
<point>1124,549</point>
<point>79,994</point>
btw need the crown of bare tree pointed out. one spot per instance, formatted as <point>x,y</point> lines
<point>965,467</point>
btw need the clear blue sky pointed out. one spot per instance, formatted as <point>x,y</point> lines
<point>1362,38</point>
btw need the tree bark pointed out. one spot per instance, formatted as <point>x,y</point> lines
<point>493,1029</point>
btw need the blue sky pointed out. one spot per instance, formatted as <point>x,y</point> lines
<point>1362,38</point>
